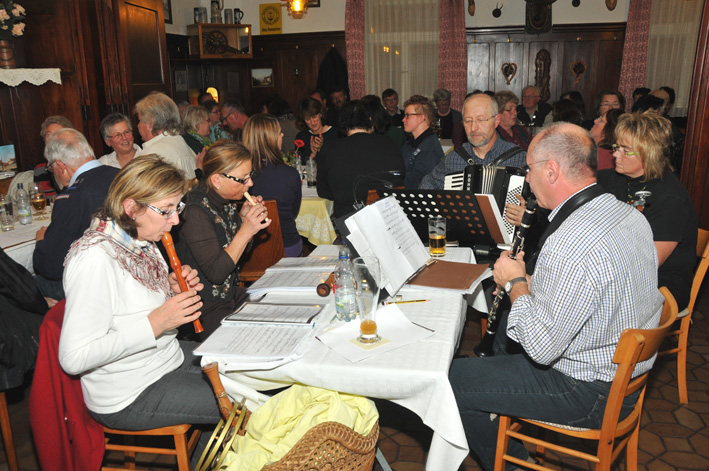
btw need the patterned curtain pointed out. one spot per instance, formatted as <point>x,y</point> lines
<point>632,72</point>
<point>453,51</point>
<point>354,41</point>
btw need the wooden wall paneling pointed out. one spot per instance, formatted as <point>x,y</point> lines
<point>113,70</point>
<point>582,50</point>
<point>695,172</point>
<point>481,69</point>
<point>144,51</point>
<point>512,52</point>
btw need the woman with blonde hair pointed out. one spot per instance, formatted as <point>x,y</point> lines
<point>196,125</point>
<point>123,309</point>
<point>273,179</point>
<point>214,233</point>
<point>641,164</point>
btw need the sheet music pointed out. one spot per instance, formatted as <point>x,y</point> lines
<point>255,342</point>
<point>270,313</point>
<point>291,280</point>
<point>382,229</point>
<point>305,263</point>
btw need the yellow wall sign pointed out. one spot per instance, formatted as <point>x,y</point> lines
<point>270,15</point>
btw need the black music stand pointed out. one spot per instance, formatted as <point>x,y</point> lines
<point>467,220</point>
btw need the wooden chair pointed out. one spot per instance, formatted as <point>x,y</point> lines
<point>267,249</point>
<point>182,451</point>
<point>614,436</point>
<point>685,317</point>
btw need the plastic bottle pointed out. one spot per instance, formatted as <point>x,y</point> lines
<point>345,302</point>
<point>24,208</point>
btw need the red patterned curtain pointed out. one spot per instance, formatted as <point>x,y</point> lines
<point>637,32</point>
<point>354,41</point>
<point>453,51</point>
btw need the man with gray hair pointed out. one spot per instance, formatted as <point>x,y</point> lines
<point>71,159</point>
<point>233,117</point>
<point>532,112</point>
<point>484,146</point>
<point>595,276</point>
<point>447,116</point>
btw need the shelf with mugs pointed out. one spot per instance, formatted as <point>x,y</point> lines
<point>219,41</point>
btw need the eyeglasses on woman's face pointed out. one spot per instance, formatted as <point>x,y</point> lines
<point>168,213</point>
<point>243,181</point>
<point>627,153</point>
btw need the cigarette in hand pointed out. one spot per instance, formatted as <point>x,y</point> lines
<point>253,203</point>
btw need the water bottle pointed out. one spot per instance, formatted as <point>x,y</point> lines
<point>24,208</point>
<point>345,302</point>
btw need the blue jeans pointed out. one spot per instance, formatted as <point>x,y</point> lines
<point>512,384</point>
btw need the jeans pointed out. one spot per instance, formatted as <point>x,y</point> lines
<point>512,384</point>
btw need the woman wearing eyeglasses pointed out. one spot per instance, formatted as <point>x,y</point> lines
<point>641,164</point>
<point>117,133</point>
<point>123,309</point>
<point>214,233</point>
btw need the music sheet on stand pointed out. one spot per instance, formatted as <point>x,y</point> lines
<point>383,230</point>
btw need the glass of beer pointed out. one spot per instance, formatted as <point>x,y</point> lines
<point>437,236</point>
<point>39,202</point>
<point>367,286</point>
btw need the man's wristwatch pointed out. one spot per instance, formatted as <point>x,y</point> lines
<point>509,284</point>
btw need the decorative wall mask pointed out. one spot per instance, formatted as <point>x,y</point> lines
<point>578,68</point>
<point>538,16</point>
<point>471,7</point>
<point>509,70</point>
<point>610,4</point>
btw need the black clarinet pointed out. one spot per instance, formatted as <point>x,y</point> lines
<point>484,348</point>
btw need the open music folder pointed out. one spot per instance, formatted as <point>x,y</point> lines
<point>383,230</point>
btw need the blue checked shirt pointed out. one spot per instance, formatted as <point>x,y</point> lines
<point>596,276</point>
<point>454,163</point>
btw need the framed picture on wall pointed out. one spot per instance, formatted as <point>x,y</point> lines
<point>261,77</point>
<point>167,6</point>
<point>313,3</point>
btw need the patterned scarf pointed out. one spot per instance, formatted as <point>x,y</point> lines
<point>202,140</point>
<point>140,259</point>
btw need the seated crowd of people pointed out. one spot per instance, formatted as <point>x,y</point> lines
<point>196,162</point>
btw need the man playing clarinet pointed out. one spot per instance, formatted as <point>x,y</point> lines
<point>595,276</point>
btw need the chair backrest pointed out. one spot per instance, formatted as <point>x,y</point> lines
<point>634,346</point>
<point>703,253</point>
<point>267,247</point>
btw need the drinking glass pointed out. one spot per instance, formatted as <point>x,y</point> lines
<point>437,236</point>
<point>312,173</point>
<point>6,221</point>
<point>367,287</point>
<point>39,202</point>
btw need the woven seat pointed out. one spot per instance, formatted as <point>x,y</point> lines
<point>330,445</point>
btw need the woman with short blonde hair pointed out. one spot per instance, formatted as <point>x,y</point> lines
<point>196,125</point>
<point>641,151</point>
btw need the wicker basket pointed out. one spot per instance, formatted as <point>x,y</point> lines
<point>330,446</point>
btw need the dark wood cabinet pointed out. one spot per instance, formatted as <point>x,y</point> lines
<point>110,52</point>
<point>595,48</point>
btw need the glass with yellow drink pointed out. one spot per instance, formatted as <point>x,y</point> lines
<point>367,286</point>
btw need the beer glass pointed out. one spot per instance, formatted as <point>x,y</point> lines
<point>39,202</point>
<point>437,236</point>
<point>367,286</point>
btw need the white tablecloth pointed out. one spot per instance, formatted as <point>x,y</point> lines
<point>414,376</point>
<point>19,243</point>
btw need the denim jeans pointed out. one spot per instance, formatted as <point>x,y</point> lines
<point>512,384</point>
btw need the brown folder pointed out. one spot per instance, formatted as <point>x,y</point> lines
<point>448,275</point>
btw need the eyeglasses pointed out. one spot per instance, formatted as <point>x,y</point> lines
<point>125,133</point>
<point>167,214</point>
<point>510,110</point>
<point>530,96</point>
<point>50,165</point>
<point>406,115</point>
<point>243,181</point>
<point>527,167</point>
<point>616,148</point>
<point>226,117</point>
<point>478,121</point>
